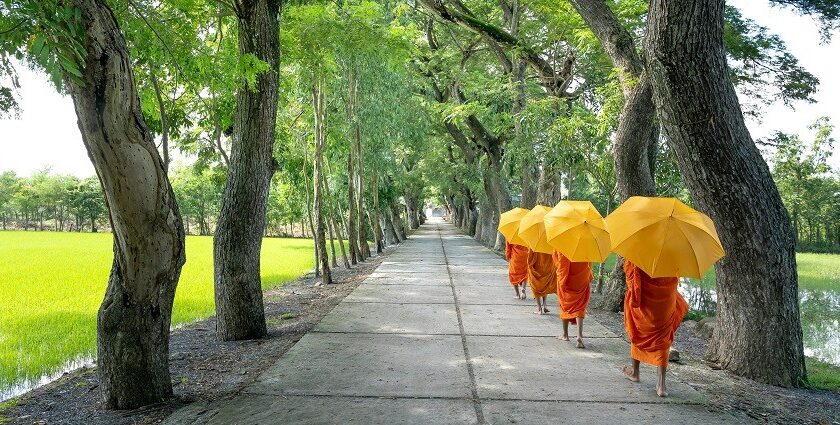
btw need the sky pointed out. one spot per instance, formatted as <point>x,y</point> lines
<point>46,135</point>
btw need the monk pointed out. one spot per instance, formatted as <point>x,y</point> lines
<point>653,310</point>
<point>573,280</point>
<point>541,277</point>
<point>517,256</point>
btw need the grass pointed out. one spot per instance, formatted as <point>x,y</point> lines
<point>823,376</point>
<point>51,285</point>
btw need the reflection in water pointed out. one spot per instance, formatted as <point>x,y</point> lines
<point>819,310</point>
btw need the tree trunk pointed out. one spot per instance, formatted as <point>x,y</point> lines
<point>319,106</point>
<point>309,213</point>
<point>636,134</point>
<point>500,192</point>
<point>340,241</point>
<point>548,192</point>
<point>377,229</point>
<point>238,241</point>
<point>758,333</point>
<point>399,227</point>
<point>133,321</point>
<point>164,119</point>
<point>352,233</point>
<point>364,248</point>
<point>328,213</point>
<point>335,229</point>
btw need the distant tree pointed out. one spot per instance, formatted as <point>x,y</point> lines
<point>9,185</point>
<point>807,185</point>
<point>86,203</point>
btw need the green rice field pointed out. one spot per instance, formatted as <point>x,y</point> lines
<point>51,285</point>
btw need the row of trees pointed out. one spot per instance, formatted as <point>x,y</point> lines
<point>604,100</point>
<point>809,186</point>
<point>330,134</point>
<point>373,105</point>
<point>47,201</point>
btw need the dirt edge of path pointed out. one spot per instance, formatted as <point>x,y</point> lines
<point>202,368</point>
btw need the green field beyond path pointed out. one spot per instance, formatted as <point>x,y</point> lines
<point>51,285</point>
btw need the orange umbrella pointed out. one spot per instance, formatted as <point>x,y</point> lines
<point>532,230</point>
<point>509,225</point>
<point>664,237</point>
<point>577,230</point>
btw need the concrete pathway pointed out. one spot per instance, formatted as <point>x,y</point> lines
<point>434,336</point>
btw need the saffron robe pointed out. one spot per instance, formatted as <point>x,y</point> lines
<point>541,274</point>
<point>653,310</point>
<point>573,280</point>
<point>517,256</point>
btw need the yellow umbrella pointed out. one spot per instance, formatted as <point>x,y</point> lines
<point>664,237</point>
<point>509,225</point>
<point>532,230</point>
<point>577,230</point>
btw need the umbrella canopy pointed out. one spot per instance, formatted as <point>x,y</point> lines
<point>577,230</point>
<point>509,225</point>
<point>532,230</point>
<point>664,237</point>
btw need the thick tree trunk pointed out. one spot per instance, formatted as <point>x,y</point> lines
<point>399,228</point>
<point>413,215</point>
<point>238,241</point>
<point>636,134</point>
<point>319,106</point>
<point>758,333</point>
<point>133,321</point>
<point>548,192</point>
<point>391,237</point>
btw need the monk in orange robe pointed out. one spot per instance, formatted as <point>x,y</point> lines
<point>541,277</point>
<point>653,310</point>
<point>573,280</point>
<point>517,256</point>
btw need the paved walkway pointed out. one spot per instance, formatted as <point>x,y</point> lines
<point>434,336</point>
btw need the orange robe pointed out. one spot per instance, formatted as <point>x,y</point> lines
<point>541,274</point>
<point>517,256</point>
<point>573,280</point>
<point>653,310</point>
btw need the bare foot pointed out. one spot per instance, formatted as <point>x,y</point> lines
<point>545,310</point>
<point>563,337</point>
<point>579,343</point>
<point>523,297</point>
<point>540,312</point>
<point>660,391</point>
<point>628,372</point>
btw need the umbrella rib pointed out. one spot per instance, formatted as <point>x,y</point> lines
<point>694,248</point>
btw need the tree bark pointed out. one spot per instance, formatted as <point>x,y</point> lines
<point>727,177</point>
<point>352,233</point>
<point>238,241</point>
<point>377,229</point>
<point>399,226</point>
<point>134,318</point>
<point>319,106</point>
<point>164,119</point>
